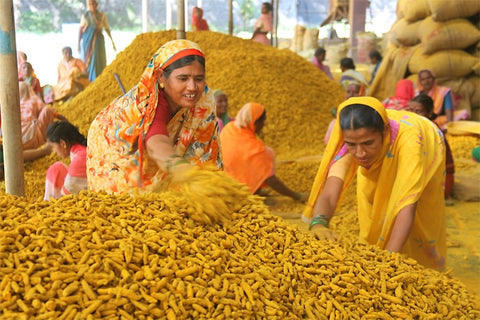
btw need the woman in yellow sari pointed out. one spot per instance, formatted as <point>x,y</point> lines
<point>399,160</point>
<point>166,120</point>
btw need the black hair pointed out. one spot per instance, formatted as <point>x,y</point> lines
<point>375,54</point>
<point>67,48</point>
<point>347,63</point>
<point>64,130</point>
<point>268,5</point>
<point>262,117</point>
<point>319,52</point>
<point>357,116</point>
<point>425,100</point>
<point>182,62</point>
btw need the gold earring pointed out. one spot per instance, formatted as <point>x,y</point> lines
<point>162,85</point>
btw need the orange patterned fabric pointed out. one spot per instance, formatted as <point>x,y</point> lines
<point>116,156</point>
<point>246,158</point>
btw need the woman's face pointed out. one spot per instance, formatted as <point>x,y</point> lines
<point>184,86</point>
<point>60,148</point>
<point>92,5</point>
<point>426,80</point>
<point>221,102</point>
<point>364,144</point>
<point>259,124</point>
<point>418,108</point>
<point>26,70</point>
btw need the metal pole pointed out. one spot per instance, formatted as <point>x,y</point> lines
<point>181,19</point>
<point>144,16</point>
<point>185,8</point>
<point>274,41</point>
<point>230,17</point>
<point>10,103</point>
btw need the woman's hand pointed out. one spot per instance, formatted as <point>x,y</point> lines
<point>322,233</point>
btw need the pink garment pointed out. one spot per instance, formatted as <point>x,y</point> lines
<point>404,92</point>
<point>62,179</point>
<point>35,117</point>
<point>221,124</point>
<point>322,67</point>
<point>262,26</point>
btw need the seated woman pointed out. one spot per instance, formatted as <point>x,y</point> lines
<point>442,99</point>
<point>72,76</point>
<point>29,77</point>
<point>404,92</point>
<point>35,117</point>
<point>66,140</point>
<point>398,158</point>
<point>246,158</point>
<point>423,105</point>
<point>163,125</point>
<point>221,102</point>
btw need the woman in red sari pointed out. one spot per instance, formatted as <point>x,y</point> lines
<point>198,23</point>
<point>264,24</point>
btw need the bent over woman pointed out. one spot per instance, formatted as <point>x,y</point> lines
<point>399,160</point>
<point>167,119</point>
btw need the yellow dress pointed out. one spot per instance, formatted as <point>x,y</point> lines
<point>411,170</point>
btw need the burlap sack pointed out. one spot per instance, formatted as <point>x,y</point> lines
<point>297,40</point>
<point>414,10</point>
<point>443,10</point>
<point>366,42</point>
<point>445,63</point>
<point>451,34</point>
<point>391,70</point>
<point>310,39</point>
<point>335,52</point>
<point>404,33</point>
<point>475,98</point>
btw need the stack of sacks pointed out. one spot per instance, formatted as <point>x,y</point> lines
<point>440,35</point>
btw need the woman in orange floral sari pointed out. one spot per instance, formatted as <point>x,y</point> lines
<point>167,119</point>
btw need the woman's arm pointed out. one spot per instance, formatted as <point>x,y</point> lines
<point>401,228</point>
<point>159,148</point>
<point>328,199</point>
<point>277,185</point>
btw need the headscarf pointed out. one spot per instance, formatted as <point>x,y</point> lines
<point>244,155</point>
<point>224,117</point>
<point>404,92</point>
<point>409,170</point>
<point>437,93</point>
<point>125,122</point>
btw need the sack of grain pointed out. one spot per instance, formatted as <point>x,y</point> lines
<point>404,33</point>
<point>297,40</point>
<point>443,10</point>
<point>310,39</point>
<point>335,52</point>
<point>445,63</point>
<point>366,42</point>
<point>475,98</point>
<point>451,34</point>
<point>462,92</point>
<point>414,10</point>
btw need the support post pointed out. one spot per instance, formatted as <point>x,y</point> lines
<point>10,103</point>
<point>357,11</point>
<point>181,19</point>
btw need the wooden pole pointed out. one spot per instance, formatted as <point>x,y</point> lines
<point>181,19</point>
<point>230,17</point>
<point>10,103</point>
<point>144,16</point>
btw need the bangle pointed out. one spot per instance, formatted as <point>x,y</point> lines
<point>322,219</point>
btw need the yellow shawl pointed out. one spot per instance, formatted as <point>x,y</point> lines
<point>411,169</point>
